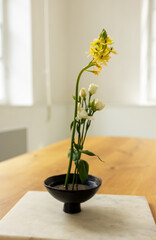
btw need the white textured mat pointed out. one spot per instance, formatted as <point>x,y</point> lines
<point>39,216</point>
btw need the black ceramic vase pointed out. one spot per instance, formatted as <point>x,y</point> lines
<point>72,198</point>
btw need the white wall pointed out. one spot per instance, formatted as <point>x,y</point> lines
<point>130,121</point>
<point>59,52</point>
<point>41,131</point>
<point>119,82</point>
<point>73,25</point>
<point>124,121</point>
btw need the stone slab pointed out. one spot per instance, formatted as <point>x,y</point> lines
<point>39,216</point>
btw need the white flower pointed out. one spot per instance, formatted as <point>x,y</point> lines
<point>92,88</point>
<point>82,114</point>
<point>99,105</point>
<point>82,93</point>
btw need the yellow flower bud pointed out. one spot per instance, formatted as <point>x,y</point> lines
<point>92,88</point>
<point>99,105</point>
<point>82,93</point>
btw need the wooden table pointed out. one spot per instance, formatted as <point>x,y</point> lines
<point>129,169</point>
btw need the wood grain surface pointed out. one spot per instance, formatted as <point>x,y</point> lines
<point>129,169</point>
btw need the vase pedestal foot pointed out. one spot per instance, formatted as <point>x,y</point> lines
<point>72,208</point>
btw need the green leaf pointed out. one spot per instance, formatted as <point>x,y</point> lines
<point>91,154</point>
<point>88,125</point>
<point>78,146</point>
<point>78,128</point>
<point>92,105</point>
<point>90,71</point>
<point>73,97</point>
<point>83,121</point>
<point>71,125</point>
<point>75,156</point>
<point>83,169</point>
<point>87,152</point>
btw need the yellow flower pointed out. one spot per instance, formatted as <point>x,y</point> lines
<point>108,41</point>
<point>100,50</point>
<point>96,42</point>
<point>99,67</point>
<point>96,72</point>
<point>111,49</point>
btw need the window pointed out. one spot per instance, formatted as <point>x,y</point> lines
<point>152,50</point>
<point>15,52</point>
<point>2,92</point>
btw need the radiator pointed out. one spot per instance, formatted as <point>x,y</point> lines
<point>13,143</point>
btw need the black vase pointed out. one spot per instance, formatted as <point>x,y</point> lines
<point>72,198</point>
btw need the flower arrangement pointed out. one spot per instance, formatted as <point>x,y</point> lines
<point>85,107</point>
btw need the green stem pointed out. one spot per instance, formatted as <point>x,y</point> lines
<point>86,132</point>
<point>85,102</point>
<point>89,98</point>
<point>82,132</point>
<point>74,178</point>
<point>77,179</point>
<point>74,124</point>
<point>79,134</point>
<point>79,139</point>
